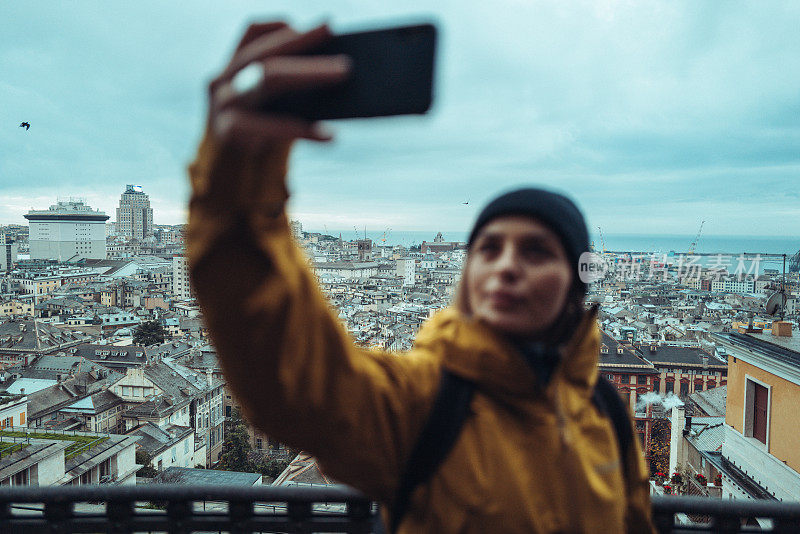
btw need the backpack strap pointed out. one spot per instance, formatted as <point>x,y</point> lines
<point>450,410</point>
<point>608,402</point>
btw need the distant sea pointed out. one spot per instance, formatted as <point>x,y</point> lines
<point>660,244</point>
<point>671,245</point>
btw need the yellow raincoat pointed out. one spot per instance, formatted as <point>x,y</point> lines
<point>527,460</point>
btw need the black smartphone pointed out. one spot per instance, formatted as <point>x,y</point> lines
<point>392,74</point>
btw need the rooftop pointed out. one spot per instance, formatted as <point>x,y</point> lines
<point>707,434</point>
<point>160,406</point>
<point>31,335</point>
<point>97,403</point>
<point>672,355</point>
<point>627,358</point>
<point>787,342</point>
<point>68,207</point>
<point>303,469</point>
<point>210,477</point>
<point>155,439</point>
<point>30,385</point>
<point>81,442</point>
<point>766,345</point>
<point>711,401</point>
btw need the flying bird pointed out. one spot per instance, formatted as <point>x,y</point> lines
<point>25,125</point>
<point>465,203</point>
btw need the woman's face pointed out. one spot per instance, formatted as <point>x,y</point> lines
<point>518,276</point>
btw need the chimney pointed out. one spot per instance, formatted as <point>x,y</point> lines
<point>705,361</point>
<point>209,376</point>
<point>677,444</point>
<point>782,329</point>
<point>22,391</point>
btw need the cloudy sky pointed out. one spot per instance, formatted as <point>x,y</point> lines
<point>653,115</point>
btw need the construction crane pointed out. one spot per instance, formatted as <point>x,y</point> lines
<point>696,238</point>
<point>602,240</point>
<point>794,263</point>
<point>385,235</point>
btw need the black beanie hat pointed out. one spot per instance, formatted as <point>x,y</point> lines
<point>555,211</point>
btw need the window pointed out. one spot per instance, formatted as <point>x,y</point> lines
<point>259,444</point>
<point>698,386</point>
<point>625,379</point>
<point>756,410</point>
<point>684,388</point>
<point>657,385</point>
<point>670,386</point>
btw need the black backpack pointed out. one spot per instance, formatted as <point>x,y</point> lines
<point>451,409</point>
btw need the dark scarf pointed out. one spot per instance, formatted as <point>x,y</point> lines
<point>543,358</point>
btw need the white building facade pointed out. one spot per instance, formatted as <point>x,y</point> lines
<point>68,230</point>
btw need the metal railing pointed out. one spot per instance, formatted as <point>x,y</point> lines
<point>182,509</point>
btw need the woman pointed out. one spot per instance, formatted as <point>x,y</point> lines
<point>535,455</point>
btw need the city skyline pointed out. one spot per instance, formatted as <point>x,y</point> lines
<point>654,116</point>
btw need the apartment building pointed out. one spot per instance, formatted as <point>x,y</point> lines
<point>761,451</point>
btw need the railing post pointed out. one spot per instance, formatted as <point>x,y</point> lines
<point>664,522</point>
<point>727,523</point>
<point>299,512</point>
<point>178,512</point>
<point>58,514</point>
<point>5,512</point>
<point>119,514</point>
<point>785,525</point>
<point>240,513</point>
<point>360,511</point>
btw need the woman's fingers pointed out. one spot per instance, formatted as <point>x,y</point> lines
<point>283,74</point>
<point>270,46</point>
<point>253,130</point>
<point>284,41</point>
<point>254,31</point>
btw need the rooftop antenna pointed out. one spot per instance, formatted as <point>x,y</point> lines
<point>777,301</point>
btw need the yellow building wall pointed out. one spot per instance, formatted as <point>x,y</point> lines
<point>784,438</point>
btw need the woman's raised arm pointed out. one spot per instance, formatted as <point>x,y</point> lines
<point>285,355</point>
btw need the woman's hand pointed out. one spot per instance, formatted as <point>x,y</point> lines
<point>238,117</point>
